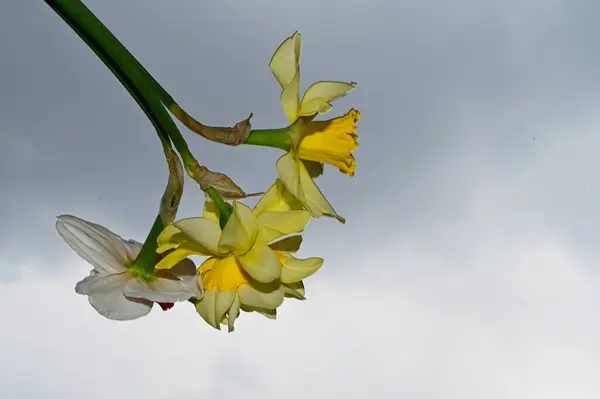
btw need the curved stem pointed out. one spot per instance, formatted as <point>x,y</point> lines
<point>134,77</point>
<point>98,38</point>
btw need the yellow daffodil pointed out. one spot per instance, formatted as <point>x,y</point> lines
<point>331,141</point>
<point>250,265</point>
<point>115,289</point>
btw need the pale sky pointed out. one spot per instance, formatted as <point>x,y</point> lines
<point>468,266</point>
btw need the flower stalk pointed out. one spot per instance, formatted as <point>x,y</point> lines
<point>275,138</point>
<point>150,97</point>
<point>146,259</point>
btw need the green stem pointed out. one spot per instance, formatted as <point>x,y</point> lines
<point>146,259</point>
<point>224,207</point>
<point>102,42</point>
<point>134,77</point>
<point>142,86</point>
<point>276,138</point>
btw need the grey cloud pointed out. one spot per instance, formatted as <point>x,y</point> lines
<point>466,269</point>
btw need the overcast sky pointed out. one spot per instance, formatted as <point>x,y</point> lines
<point>468,268</point>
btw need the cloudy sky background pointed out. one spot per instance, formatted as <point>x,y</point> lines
<point>469,264</point>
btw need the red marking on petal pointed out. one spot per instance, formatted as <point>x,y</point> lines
<point>165,306</point>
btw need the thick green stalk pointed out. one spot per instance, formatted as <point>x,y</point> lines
<point>276,138</point>
<point>124,65</point>
<point>140,84</point>
<point>146,259</point>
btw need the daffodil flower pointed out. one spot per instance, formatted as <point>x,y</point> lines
<point>250,265</point>
<point>116,290</point>
<point>331,141</point>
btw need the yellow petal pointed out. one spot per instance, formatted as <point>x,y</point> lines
<point>169,238</point>
<point>175,257</point>
<point>224,274</point>
<point>261,264</point>
<point>279,224</point>
<point>294,290</point>
<point>277,198</point>
<point>314,168</point>
<point>285,65</point>
<point>211,211</point>
<point>297,180</point>
<point>256,299</point>
<point>206,308</point>
<point>288,171</point>
<point>234,312</point>
<point>240,231</point>
<point>201,231</point>
<point>223,303</point>
<point>290,99</point>
<point>288,244</point>
<point>286,60</point>
<point>331,141</point>
<point>318,97</point>
<point>295,270</point>
<point>270,314</point>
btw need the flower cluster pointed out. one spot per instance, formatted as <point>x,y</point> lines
<point>250,260</point>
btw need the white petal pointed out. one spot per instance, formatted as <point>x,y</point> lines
<point>186,271</point>
<point>100,247</point>
<point>133,248</point>
<point>159,290</point>
<point>115,306</point>
<point>97,282</point>
<point>169,286</point>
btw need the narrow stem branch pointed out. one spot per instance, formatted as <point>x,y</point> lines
<point>276,138</point>
<point>224,208</point>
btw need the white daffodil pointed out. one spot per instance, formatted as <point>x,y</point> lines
<point>114,288</point>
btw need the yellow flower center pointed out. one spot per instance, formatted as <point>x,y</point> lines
<point>331,141</point>
<point>226,274</point>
